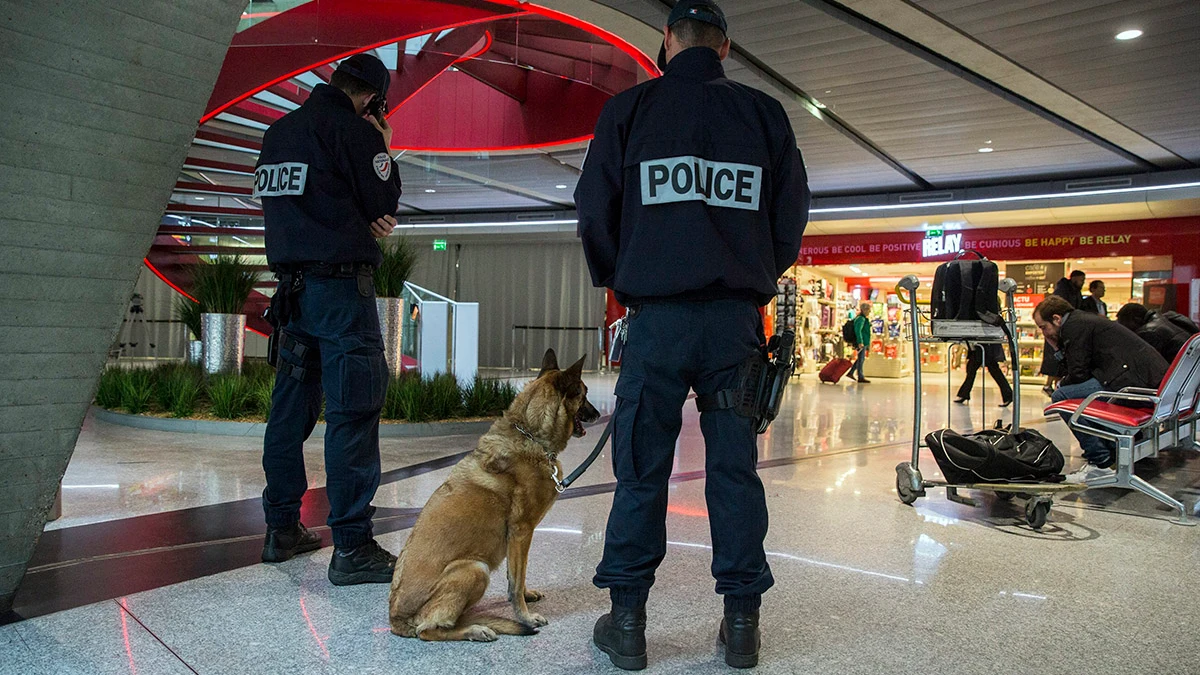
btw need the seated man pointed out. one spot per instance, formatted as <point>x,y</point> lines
<point>1100,355</point>
<point>1162,331</point>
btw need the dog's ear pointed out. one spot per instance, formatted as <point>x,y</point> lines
<point>549,362</point>
<point>568,381</point>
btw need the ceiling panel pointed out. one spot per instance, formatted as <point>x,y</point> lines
<point>931,121</point>
<point>1149,84</point>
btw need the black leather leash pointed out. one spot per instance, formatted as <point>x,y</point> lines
<point>566,482</point>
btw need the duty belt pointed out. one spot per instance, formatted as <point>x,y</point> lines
<point>322,269</point>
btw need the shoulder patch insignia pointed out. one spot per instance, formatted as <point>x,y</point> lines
<point>382,165</point>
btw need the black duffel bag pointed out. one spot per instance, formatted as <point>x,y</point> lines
<point>996,456</point>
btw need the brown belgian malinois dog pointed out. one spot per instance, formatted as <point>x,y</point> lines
<point>487,510</point>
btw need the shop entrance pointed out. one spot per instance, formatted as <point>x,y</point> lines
<point>816,300</point>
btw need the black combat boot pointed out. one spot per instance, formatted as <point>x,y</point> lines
<point>284,542</point>
<point>739,634</point>
<point>622,635</point>
<point>366,564</point>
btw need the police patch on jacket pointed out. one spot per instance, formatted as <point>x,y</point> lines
<point>685,179</point>
<point>382,165</point>
<point>278,180</point>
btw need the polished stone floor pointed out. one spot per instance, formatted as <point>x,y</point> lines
<point>162,531</point>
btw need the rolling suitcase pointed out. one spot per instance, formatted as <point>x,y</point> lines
<point>835,369</point>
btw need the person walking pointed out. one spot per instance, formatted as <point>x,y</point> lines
<point>862,342</point>
<point>993,354</point>
<point>692,204</point>
<point>329,189</point>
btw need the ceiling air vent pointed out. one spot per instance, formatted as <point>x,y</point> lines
<point>1098,184</point>
<point>425,220</point>
<point>521,217</point>
<point>926,197</point>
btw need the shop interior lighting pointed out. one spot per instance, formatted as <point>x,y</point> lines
<point>986,149</point>
<point>1131,34</point>
<point>560,187</point>
<point>430,190</point>
<point>1000,200</point>
<point>413,226</point>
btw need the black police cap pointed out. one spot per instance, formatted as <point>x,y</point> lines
<point>369,69</point>
<point>705,11</point>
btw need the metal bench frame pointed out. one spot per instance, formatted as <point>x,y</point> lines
<point>1172,424</point>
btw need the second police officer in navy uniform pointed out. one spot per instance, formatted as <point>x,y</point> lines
<point>329,189</point>
<point>692,203</point>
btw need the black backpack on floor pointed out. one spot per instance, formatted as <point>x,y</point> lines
<point>967,290</point>
<point>996,456</point>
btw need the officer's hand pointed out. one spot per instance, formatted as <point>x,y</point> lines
<point>383,227</point>
<point>384,128</point>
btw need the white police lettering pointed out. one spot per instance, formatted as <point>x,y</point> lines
<point>382,165</point>
<point>686,179</point>
<point>279,180</point>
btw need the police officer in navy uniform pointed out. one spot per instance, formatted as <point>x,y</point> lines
<point>692,203</point>
<point>329,189</point>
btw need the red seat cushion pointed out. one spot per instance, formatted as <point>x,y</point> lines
<point>1107,412</point>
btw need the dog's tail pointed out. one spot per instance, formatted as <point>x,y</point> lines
<point>500,625</point>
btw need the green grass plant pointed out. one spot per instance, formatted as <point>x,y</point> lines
<point>188,313</point>
<point>178,390</point>
<point>228,396</point>
<point>260,397</point>
<point>400,257</point>
<point>488,398</point>
<point>223,285</point>
<point>137,390</point>
<point>443,396</point>
<point>108,393</point>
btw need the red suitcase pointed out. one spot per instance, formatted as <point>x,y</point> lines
<point>835,369</point>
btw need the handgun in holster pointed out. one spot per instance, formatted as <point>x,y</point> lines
<point>761,382</point>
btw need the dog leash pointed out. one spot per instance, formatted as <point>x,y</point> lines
<point>566,482</point>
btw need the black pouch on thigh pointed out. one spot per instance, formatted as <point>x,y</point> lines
<point>297,359</point>
<point>366,282</point>
<point>629,398</point>
<point>362,379</point>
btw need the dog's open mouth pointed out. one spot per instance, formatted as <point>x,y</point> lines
<point>579,431</point>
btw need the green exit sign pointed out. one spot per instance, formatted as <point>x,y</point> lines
<point>439,244</point>
<point>933,233</point>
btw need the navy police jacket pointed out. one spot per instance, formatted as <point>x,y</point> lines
<point>693,188</point>
<point>324,175</point>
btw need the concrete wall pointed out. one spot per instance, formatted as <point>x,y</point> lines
<point>98,104</point>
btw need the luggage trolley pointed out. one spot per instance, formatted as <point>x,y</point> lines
<point>909,483</point>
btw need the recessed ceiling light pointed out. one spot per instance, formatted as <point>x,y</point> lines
<point>820,105</point>
<point>560,187</point>
<point>986,149</point>
<point>430,191</point>
<point>199,199</point>
<point>1131,34</point>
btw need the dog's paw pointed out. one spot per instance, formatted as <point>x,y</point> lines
<point>479,634</point>
<point>534,620</point>
<point>533,596</point>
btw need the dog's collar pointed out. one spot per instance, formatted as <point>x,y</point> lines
<point>550,457</point>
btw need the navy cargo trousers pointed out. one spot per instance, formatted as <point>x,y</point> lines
<point>674,347</point>
<point>342,357</point>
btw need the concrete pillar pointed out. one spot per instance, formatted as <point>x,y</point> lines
<point>98,105</point>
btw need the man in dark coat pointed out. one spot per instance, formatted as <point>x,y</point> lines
<point>1071,289</point>
<point>1094,303</point>
<point>1099,355</point>
<point>1162,331</point>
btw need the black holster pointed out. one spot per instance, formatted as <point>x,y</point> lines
<point>761,381</point>
<point>284,307</point>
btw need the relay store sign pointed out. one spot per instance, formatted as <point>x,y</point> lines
<point>939,244</point>
<point>1164,236</point>
<point>687,179</point>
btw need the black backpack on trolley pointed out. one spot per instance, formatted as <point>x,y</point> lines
<point>967,290</point>
<point>996,456</point>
